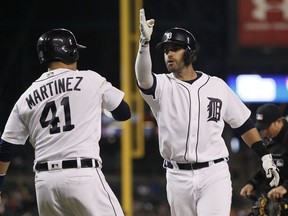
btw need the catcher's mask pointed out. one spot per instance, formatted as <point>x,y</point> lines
<point>181,37</point>
<point>58,45</point>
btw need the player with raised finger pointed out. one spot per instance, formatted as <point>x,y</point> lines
<point>191,108</point>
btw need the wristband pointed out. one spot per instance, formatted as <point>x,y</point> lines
<point>1,181</point>
<point>260,149</point>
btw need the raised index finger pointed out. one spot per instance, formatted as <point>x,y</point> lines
<point>142,15</point>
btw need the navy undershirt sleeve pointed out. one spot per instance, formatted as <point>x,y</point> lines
<point>122,112</point>
<point>7,151</point>
<point>150,91</point>
<point>248,125</point>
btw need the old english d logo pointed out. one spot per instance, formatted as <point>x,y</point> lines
<point>168,35</point>
<point>214,109</point>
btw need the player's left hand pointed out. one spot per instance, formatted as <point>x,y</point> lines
<point>146,27</point>
<point>271,169</point>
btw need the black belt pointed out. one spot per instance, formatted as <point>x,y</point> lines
<point>193,166</point>
<point>65,164</point>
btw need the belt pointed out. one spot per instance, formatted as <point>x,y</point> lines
<point>66,164</point>
<point>192,166</point>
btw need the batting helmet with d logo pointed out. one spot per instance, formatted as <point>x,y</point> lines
<point>181,37</point>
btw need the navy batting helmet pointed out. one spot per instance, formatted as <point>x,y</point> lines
<point>58,45</point>
<point>178,36</point>
<point>181,37</point>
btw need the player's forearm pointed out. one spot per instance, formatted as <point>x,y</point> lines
<point>251,136</point>
<point>143,67</point>
<point>253,139</point>
<point>4,167</point>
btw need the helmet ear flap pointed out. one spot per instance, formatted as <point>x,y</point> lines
<point>189,56</point>
<point>74,54</point>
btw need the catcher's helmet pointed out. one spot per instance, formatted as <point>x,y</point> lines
<point>58,45</point>
<point>178,36</point>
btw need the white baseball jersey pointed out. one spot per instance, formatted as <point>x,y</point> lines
<point>61,114</point>
<point>191,118</point>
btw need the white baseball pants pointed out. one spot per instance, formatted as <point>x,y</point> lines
<point>201,192</point>
<point>75,192</point>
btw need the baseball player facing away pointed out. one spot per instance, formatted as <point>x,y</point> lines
<point>190,108</point>
<point>61,114</point>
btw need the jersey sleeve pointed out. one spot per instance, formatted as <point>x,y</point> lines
<point>15,132</point>
<point>112,97</point>
<point>236,112</point>
<point>153,95</point>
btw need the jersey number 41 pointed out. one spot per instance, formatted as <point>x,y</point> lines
<point>54,121</point>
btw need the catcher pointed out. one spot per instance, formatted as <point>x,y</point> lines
<point>274,129</point>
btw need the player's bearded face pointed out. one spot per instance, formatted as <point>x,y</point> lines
<point>173,56</point>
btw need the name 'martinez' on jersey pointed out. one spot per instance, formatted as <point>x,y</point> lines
<point>53,88</point>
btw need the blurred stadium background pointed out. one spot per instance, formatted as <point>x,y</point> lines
<point>235,37</point>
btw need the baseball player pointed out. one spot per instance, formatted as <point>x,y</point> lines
<point>190,108</point>
<point>60,113</point>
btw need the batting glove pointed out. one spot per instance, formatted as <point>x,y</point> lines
<point>271,169</point>
<point>146,28</point>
